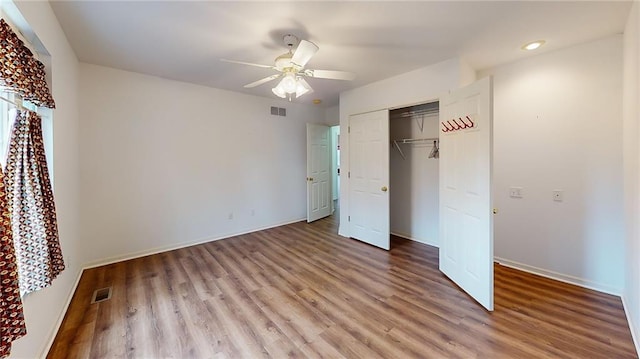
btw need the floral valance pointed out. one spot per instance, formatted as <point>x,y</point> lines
<point>20,71</point>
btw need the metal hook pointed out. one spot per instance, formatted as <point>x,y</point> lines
<point>445,129</point>
<point>463,126</point>
<point>454,128</point>
<point>472,124</point>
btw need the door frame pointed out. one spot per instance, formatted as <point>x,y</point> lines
<point>312,183</point>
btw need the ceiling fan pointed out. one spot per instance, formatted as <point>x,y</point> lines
<point>290,67</point>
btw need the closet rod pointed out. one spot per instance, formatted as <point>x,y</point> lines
<point>397,143</point>
<point>414,140</point>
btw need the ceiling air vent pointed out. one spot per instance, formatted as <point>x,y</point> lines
<point>278,111</point>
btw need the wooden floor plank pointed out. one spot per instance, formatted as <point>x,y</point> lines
<point>302,291</point>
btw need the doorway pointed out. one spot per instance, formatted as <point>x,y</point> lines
<point>335,171</point>
<point>414,172</point>
<point>465,228</point>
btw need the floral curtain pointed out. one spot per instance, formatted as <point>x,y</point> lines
<point>30,256</point>
<point>30,197</point>
<point>20,71</point>
<point>12,324</point>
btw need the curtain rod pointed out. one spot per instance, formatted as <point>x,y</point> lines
<point>19,107</point>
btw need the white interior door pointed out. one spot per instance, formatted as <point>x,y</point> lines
<point>466,223</point>
<point>369,178</point>
<point>318,172</point>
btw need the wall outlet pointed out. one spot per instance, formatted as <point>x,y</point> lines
<point>515,192</point>
<point>230,215</point>
<point>558,195</point>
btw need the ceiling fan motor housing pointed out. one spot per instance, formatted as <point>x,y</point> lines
<point>284,62</point>
<point>290,40</point>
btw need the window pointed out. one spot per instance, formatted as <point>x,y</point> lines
<point>11,15</point>
<point>31,257</point>
<point>8,114</point>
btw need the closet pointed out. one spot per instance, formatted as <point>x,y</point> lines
<point>414,172</point>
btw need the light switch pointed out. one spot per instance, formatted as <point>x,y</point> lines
<point>515,192</point>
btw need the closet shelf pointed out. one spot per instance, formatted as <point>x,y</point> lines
<point>400,141</point>
<point>418,113</point>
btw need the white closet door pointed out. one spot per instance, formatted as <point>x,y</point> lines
<point>318,172</point>
<point>466,223</point>
<point>369,178</point>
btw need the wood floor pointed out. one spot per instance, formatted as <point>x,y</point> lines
<point>301,291</point>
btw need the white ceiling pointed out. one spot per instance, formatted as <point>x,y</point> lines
<point>184,40</point>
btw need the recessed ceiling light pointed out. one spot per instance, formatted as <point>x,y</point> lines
<point>533,45</point>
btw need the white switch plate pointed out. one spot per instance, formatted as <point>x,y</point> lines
<point>558,195</point>
<point>515,192</point>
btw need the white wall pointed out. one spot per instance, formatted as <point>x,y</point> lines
<point>631,131</point>
<point>332,116</point>
<point>419,86</point>
<point>414,202</point>
<point>44,309</point>
<point>164,163</point>
<point>557,125</point>
<point>468,74</point>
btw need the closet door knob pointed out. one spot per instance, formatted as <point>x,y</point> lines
<point>383,189</point>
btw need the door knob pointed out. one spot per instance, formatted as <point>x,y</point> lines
<point>383,189</point>
<point>309,179</point>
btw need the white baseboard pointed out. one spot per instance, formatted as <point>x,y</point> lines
<point>581,282</point>
<point>56,328</point>
<point>423,241</point>
<point>632,327</point>
<point>168,248</point>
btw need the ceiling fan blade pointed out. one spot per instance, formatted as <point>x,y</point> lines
<point>304,52</point>
<point>247,63</point>
<point>329,74</point>
<point>262,81</point>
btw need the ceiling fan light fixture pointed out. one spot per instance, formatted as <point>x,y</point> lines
<point>278,91</point>
<point>302,87</point>
<point>288,84</point>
